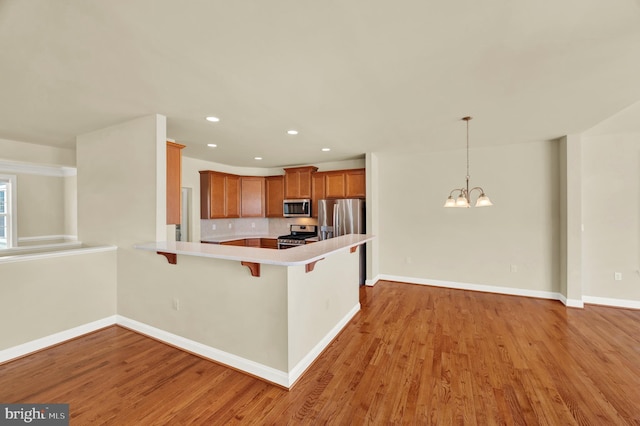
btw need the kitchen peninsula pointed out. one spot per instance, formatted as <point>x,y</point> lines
<point>273,319</point>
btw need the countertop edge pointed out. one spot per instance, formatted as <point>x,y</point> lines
<point>290,257</point>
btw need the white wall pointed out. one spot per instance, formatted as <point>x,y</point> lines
<point>418,238</point>
<point>38,154</point>
<point>611,213</point>
<point>42,205</point>
<point>46,193</point>
<point>121,201</point>
<point>52,295</point>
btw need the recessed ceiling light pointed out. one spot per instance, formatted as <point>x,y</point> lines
<point>212,145</point>
<point>257,158</point>
<point>212,119</point>
<point>292,132</point>
<point>326,149</point>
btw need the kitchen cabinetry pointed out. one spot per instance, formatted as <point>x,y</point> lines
<point>271,243</point>
<point>252,242</point>
<point>274,195</point>
<point>219,195</point>
<point>345,184</point>
<point>234,243</point>
<point>334,184</point>
<point>252,191</point>
<point>355,183</point>
<point>297,182</point>
<point>317,191</point>
<point>174,182</point>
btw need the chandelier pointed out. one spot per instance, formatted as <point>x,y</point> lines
<point>463,198</point>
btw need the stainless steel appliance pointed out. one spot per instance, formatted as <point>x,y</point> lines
<point>341,217</point>
<point>298,236</point>
<point>296,208</point>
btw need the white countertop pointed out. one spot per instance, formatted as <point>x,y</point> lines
<point>290,257</point>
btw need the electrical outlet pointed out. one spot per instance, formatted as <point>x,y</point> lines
<point>408,260</point>
<point>230,226</point>
<point>176,304</point>
<point>213,226</point>
<point>617,276</point>
<point>513,268</point>
<point>253,224</point>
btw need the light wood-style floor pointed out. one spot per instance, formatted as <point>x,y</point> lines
<point>413,355</point>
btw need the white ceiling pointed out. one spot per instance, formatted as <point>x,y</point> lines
<point>355,76</point>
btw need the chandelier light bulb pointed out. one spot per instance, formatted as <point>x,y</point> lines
<point>450,202</point>
<point>461,201</point>
<point>483,201</point>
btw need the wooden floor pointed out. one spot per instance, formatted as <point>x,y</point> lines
<point>413,355</point>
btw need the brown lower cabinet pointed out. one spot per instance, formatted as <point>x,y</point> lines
<point>270,243</point>
<point>234,243</point>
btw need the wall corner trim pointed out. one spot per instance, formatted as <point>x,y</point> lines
<point>372,282</point>
<point>36,169</point>
<point>308,359</point>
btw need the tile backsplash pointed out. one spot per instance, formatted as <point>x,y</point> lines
<point>250,226</point>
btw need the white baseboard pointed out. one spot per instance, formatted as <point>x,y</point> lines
<point>372,282</point>
<point>305,362</point>
<point>54,339</point>
<point>265,372</point>
<point>618,303</point>
<point>571,303</point>
<point>268,373</point>
<point>475,287</point>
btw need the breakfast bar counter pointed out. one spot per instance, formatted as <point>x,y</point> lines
<point>301,255</point>
<point>271,321</point>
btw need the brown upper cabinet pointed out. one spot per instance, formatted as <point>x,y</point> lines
<point>317,191</point>
<point>334,186</point>
<point>297,182</point>
<point>274,195</point>
<point>252,189</point>
<point>174,182</point>
<point>219,195</point>
<point>355,183</point>
<point>344,183</point>
<point>224,195</point>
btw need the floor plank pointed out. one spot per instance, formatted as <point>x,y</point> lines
<point>413,355</point>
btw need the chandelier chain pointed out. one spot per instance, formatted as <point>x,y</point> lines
<point>467,120</point>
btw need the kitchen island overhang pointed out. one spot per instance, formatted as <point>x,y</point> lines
<point>272,326</point>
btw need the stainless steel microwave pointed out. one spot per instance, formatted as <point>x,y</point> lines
<point>297,208</point>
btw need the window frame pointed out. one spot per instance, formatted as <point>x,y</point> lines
<point>11,197</point>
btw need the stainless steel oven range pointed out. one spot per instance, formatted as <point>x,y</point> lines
<point>298,235</point>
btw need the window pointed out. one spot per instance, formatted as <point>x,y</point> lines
<point>8,226</point>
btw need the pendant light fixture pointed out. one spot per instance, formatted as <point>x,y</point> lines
<point>463,198</point>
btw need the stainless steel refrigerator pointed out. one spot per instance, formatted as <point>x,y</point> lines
<point>341,217</point>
